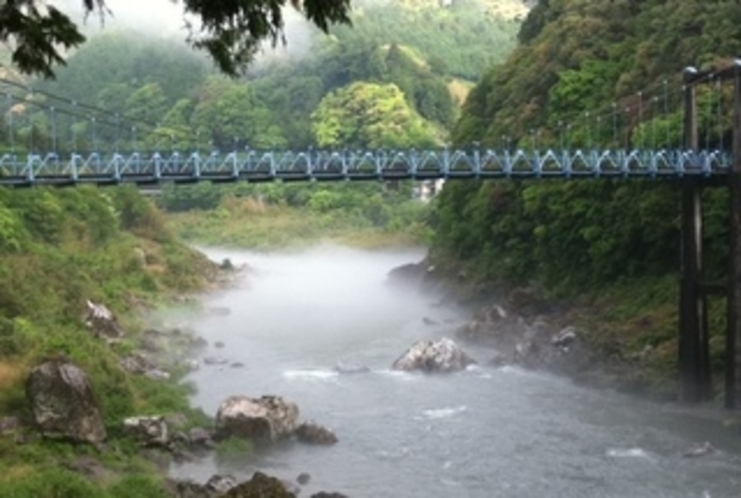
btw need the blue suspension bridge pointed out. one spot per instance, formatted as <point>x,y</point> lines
<point>76,143</point>
<point>264,166</point>
<point>654,134</point>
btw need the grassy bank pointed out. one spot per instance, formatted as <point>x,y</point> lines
<point>285,217</point>
<point>61,248</point>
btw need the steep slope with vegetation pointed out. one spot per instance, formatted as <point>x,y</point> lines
<point>612,245</point>
<point>61,248</point>
<point>578,56</point>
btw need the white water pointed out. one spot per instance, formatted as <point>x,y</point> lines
<point>484,432</point>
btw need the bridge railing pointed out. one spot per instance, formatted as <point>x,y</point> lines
<point>324,165</point>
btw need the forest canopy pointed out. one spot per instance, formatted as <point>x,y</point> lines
<point>126,90</point>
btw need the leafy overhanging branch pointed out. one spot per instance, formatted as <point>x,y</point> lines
<point>231,31</point>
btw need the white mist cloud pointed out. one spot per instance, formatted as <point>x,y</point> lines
<point>166,18</point>
<point>150,15</point>
<point>153,16</point>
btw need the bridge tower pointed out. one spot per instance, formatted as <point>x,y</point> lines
<point>694,359</point>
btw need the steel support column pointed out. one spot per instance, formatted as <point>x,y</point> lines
<point>695,383</point>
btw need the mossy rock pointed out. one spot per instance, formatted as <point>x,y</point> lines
<point>260,486</point>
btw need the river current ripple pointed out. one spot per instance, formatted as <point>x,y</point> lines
<point>486,432</point>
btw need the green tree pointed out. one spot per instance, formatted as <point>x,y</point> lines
<point>370,115</point>
<point>231,115</point>
<point>147,104</point>
<point>176,124</point>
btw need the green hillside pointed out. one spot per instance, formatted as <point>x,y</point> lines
<point>579,55</point>
<point>61,248</point>
<point>613,246</point>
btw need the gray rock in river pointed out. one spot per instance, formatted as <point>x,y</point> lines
<point>313,433</point>
<point>265,419</point>
<point>442,355</point>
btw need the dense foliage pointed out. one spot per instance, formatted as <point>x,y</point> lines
<point>280,216</point>
<point>577,56</point>
<point>460,40</point>
<point>366,115</point>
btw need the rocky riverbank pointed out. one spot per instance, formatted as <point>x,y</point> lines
<point>247,422</point>
<point>253,422</point>
<point>527,329</point>
<point>66,409</point>
<point>518,325</point>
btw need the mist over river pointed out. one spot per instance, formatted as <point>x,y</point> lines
<point>485,432</point>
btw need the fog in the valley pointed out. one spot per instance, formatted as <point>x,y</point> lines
<point>318,308</point>
<point>481,433</point>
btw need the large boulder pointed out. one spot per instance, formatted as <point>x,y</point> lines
<point>442,355</point>
<point>265,419</point>
<point>64,403</point>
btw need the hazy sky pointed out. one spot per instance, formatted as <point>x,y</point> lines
<point>166,18</point>
<point>157,16</point>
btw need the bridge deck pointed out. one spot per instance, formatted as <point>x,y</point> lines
<point>287,166</point>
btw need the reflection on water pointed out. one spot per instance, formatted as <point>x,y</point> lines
<point>484,432</point>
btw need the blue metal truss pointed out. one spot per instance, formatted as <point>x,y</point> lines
<point>319,165</point>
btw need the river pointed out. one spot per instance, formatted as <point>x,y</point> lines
<point>486,432</point>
